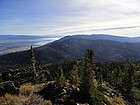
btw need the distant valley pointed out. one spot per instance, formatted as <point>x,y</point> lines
<point>15,43</point>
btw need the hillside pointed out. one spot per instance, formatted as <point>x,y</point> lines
<point>72,83</point>
<point>73,47</point>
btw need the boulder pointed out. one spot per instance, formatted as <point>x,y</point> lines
<point>8,87</point>
<point>2,90</point>
<point>17,75</point>
<point>51,90</point>
<point>58,94</point>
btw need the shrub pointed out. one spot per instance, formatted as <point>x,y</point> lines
<point>136,94</point>
<point>26,89</point>
<point>9,99</point>
<point>33,99</point>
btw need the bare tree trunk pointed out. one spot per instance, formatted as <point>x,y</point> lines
<point>33,65</point>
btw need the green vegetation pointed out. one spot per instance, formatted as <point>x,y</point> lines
<point>98,83</point>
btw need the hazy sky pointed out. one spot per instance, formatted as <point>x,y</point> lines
<point>64,17</point>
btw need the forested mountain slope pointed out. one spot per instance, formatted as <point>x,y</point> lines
<point>72,48</point>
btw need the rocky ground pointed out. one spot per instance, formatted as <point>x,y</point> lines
<point>54,93</point>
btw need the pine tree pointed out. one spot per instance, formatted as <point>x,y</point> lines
<point>62,78</point>
<point>74,75</point>
<point>129,69</point>
<point>88,88</point>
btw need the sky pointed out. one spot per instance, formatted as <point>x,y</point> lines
<point>70,17</point>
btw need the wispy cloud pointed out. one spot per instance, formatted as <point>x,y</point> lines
<point>70,17</point>
<point>106,29</point>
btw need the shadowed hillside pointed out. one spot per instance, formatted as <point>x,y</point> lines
<point>73,48</point>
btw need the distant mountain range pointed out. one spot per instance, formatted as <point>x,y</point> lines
<point>105,37</point>
<point>107,48</point>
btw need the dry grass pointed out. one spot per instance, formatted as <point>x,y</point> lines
<point>9,99</point>
<point>26,97</point>
<point>33,99</point>
<point>115,100</point>
<point>27,89</point>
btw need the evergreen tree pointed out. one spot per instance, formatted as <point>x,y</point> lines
<point>105,71</point>
<point>62,79</point>
<point>88,89</point>
<point>129,69</point>
<point>74,75</point>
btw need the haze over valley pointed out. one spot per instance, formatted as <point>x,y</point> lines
<point>15,43</point>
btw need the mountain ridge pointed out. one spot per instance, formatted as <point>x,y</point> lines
<point>74,48</point>
<point>105,37</point>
